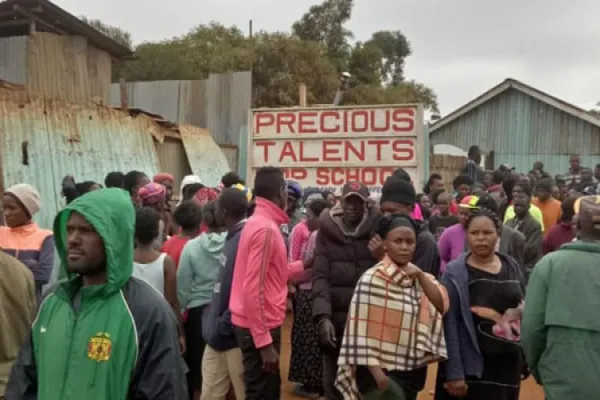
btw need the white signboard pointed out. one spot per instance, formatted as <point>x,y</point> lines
<point>327,147</point>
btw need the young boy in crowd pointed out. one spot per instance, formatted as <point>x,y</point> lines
<point>443,219</point>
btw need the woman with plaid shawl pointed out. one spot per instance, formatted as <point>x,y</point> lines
<point>394,327</point>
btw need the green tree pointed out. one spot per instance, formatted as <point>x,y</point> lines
<point>324,23</point>
<point>282,62</point>
<point>206,49</point>
<point>117,34</point>
<point>395,49</point>
<point>366,65</point>
<point>314,54</point>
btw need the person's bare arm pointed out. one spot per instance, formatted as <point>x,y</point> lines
<point>170,290</point>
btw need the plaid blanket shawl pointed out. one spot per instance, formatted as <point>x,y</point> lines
<point>391,324</point>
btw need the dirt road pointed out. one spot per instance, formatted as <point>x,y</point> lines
<point>529,390</point>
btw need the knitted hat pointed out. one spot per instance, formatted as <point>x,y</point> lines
<point>399,191</point>
<point>28,196</point>
<point>245,190</point>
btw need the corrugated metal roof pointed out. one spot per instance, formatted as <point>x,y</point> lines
<point>521,129</point>
<point>60,21</point>
<point>530,91</point>
<point>65,139</point>
<point>205,157</point>
<point>13,59</point>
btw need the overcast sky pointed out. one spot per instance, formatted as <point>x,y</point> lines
<point>461,48</point>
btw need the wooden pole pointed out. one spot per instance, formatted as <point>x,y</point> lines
<point>302,95</point>
<point>123,89</point>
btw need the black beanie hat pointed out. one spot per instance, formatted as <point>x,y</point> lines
<point>398,191</point>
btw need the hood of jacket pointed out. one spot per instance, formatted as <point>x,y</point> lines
<point>112,215</point>
<point>212,243</point>
<point>332,224</point>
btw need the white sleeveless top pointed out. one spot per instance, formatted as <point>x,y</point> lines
<point>152,273</point>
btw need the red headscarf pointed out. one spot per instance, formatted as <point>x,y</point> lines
<point>163,176</point>
<point>152,194</point>
<point>205,195</point>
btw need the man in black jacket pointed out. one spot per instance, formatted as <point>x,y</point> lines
<point>398,196</point>
<point>341,257</point>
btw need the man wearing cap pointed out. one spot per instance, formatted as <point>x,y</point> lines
<point>341,256</point>
<point>22,238</point>
<point>560,332</point>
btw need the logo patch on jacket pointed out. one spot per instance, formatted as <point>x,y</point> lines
<point>99,347</point>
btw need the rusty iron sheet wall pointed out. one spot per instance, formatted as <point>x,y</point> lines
<point>219,103</point>
<point>67,68</point>
<point>13,59</point>
<point>46,140</point>
<point>205,157</point>
<point>172,158</point>
<point>521,130</point>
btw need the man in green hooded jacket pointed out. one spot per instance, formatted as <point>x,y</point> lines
<point>100,334</point>
<point>560,330</point>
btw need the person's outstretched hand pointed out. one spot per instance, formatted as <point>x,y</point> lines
<point>327,333</point>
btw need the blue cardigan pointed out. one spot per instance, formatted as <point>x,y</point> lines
<point>464,356</point>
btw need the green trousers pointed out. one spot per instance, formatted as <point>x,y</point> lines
<point>392,392</point>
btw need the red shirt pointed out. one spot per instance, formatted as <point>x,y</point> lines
<point>174,247</point>
<point>558,235</point>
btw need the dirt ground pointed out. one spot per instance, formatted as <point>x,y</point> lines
<point>529,390</point>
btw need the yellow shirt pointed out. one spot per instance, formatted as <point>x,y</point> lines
<point>534,210</point>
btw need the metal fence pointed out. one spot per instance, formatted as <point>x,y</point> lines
<point>219,104</point>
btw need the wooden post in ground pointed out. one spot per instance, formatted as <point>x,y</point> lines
<point>302,95</point>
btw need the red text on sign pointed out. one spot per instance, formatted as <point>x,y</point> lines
<point>394,120</point>
<point>336,150</point>
<point>370,176</point>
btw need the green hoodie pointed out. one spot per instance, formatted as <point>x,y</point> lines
<point>122,343</point>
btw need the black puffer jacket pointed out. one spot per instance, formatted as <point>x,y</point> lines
<point>341,258</point>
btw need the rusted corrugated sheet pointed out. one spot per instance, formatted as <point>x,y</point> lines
<point>99,66</point>
<point>231,154</point>
<point>172,158</point>
<point>60,139</point>
<point>13,59</point>
<point>66,68</point>
<point>204,155</point>
<point>219,104</point>
<point>520,130</point>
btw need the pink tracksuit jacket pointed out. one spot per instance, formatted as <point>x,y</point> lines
<point>261,272</point>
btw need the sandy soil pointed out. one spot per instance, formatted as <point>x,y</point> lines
<point>529,391</point>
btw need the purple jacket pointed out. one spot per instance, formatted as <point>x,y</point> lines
<point>451,244</point>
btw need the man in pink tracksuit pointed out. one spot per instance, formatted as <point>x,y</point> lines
<point>259,288</point>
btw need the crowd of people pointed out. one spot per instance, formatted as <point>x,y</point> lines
<point>137,294</point>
